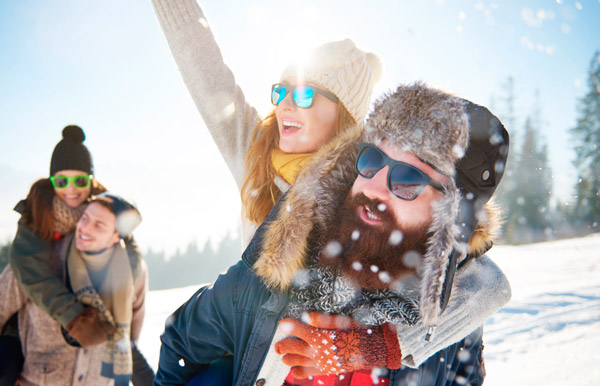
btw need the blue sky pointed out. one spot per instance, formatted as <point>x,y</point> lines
<point>106,67</point>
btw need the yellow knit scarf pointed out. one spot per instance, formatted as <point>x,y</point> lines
<point>288,165</point>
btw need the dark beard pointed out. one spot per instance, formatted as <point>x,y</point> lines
<point>372,248</point>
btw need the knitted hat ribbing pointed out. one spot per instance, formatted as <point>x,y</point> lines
<point>343,69</point>
<point>70,153</point>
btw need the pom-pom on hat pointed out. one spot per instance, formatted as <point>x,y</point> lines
<point>127,214</point>
<point>70,153</point>
<point>343,69</point>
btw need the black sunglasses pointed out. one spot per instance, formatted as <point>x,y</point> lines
<point>404,181</point>
<point>302,96</point>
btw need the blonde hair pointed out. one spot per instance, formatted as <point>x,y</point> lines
<point>259,192</point>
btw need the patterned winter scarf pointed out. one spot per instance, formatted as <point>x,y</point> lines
<point>288,165</point>
<point>105,281</point>
<point>65,218</point>
<point>324,290</point>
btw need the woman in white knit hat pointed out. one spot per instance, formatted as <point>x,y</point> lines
<point>328,93</point>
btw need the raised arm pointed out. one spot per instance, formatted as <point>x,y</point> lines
<point>221,102</point>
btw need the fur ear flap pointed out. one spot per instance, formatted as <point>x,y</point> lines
<point>443,240</point>
<point>490,221</point>
<point>308,202</point>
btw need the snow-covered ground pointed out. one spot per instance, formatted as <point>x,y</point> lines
<point>548,334</point>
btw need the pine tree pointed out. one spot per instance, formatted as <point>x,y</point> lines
<point>586,135</point>
<point>529,211</point>
<point>506,113</point>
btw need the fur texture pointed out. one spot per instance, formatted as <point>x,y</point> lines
<point>426,122</point>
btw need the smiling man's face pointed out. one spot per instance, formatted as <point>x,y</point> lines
<point>95,229</point>
<point>383,237</point>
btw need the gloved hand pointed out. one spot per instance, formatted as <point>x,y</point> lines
<point>88,329</point>
<point>331,344</point>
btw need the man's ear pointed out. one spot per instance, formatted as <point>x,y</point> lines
<point>116,238</point>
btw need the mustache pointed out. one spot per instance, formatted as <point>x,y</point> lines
<point>386,216</point>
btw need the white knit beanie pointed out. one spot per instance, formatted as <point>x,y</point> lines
<point>344,70</point>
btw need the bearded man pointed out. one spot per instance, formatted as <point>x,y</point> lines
<point>352,274</point>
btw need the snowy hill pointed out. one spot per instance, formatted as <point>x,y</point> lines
<point>548,334</point>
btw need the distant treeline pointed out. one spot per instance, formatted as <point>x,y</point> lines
<point>193,266</point>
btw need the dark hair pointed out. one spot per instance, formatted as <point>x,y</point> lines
<point>106,202</point>
<point>38,214</point>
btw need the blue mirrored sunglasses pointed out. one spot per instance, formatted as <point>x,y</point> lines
<point>404,181</point>
<point>302,96</point>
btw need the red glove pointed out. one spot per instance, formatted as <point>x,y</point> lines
<point>331,344</point>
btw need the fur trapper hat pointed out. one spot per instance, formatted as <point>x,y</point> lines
<point>456,137</point>
<point>460,140</point>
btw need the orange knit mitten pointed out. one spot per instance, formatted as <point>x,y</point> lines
<point>331,344</point>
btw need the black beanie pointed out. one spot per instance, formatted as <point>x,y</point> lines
<point>70,153</point>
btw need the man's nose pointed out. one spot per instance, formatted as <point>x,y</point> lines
<point>82,225</point>
<point>376,187</point>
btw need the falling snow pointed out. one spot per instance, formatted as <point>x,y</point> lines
<point>412,259</point>
<point>458,151</point>
<point>384,277</point>
<point>357,266</point>
<point>395,237</point>
<point>203,22</point>
<point>333,249</point>
<point>499,166</point>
